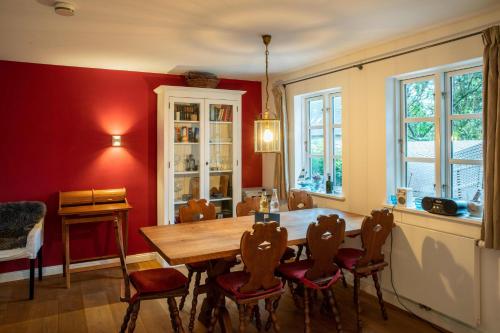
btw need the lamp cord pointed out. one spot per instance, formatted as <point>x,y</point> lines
<point>267,79</point>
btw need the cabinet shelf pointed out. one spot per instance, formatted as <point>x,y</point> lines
<point>186,143</point>
<point>222,199</point>
<point>221,143</point>
<point>220,122</point>
<point>186,173</point>
<point>186,121</point>
<point>220,171</point>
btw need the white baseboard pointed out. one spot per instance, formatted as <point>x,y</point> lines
<point>57,269</point>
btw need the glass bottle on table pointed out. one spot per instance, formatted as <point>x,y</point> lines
<point>275,203</point>
<point>263,204</point>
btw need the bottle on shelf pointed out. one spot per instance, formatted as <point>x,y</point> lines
<point>263,205</point>
<point>329,185</point>
<point>275,203</point>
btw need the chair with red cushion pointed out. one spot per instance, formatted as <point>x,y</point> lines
<point>146,285</point>
<point>370,260</point>
<point>249,207</point>
<point>318,273</point>
<point>261,251</point>
<point>196,210</point>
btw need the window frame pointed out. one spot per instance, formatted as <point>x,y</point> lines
<point>442,119</point>
<point>329,154</point>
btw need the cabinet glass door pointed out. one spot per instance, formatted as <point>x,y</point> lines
<point>187,153</point>
<point>220,142</point>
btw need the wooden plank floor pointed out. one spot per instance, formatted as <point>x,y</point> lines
<point>92,305</point>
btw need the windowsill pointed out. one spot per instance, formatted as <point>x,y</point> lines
<point>338,197</point>
<point>461,219</point>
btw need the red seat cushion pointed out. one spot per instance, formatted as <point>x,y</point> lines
<point>232,282</point>
<point>296,271</point>
<point>157,280</point>
<point>348,257</point>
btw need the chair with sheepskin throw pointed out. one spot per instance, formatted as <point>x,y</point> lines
<point>21,235</point>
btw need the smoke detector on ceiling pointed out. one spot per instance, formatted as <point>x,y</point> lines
<point>64,8</point>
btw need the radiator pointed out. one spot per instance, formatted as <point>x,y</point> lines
<point>439,270</point>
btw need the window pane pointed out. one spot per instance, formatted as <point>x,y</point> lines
<point>467,139</point>
<point>420,139</point>
<point>317,141</point>
<point>337,141</point>
<point>315,112</point>
<point>317,165</point>
<point>419,99</point>
<point>466,93</point>
<point>466,180</point>
<point>420,176</point>
<point>337,179</point>
<point>337,109</point>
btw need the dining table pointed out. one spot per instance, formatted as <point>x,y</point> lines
<point>217,240</point>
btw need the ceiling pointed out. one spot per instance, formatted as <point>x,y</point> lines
<point>222,36</point>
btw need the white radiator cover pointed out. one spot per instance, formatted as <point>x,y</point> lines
<point>438,269</point>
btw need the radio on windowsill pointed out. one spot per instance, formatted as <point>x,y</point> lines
<point>444,206</point>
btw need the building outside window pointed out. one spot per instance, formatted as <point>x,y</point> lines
<point>440,137</point>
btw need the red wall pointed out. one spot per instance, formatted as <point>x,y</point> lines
<point>55,133</point>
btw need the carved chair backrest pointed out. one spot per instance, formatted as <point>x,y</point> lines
<point>197,210</point>
<point>374,232</point>
<point>123,264</point>
<point>261,251</point>
<point>299,200</point>
<point>323,240</point>
<point>248,207</point>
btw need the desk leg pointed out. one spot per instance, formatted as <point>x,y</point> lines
<point>215,269</point>
<point>63,234</point>
<point>67,257</point>
<point>124,216</point>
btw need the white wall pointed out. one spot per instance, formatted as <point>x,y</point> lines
<point>365,117</point>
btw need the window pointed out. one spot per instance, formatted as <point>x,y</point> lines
<point>441,134</point>
<point>323,140</point>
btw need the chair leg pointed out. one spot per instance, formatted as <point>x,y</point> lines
<point>133,317</point>
<point>40,264</point>
<point>299,252</point>
<point>172,317</point>
<point>256,313</point>
<point>295,297</point>
<point>195,301</point>
<point>271,306</point>
<point>307,328</point>
<point>356,301</point>
<point>183,299</point>
<point>177,322</point>
<point>32,279</point>
<point>215,315</point>
<point>126,318</point>
<point>379,294</point>
<point>241,310</point>
<point>333,305</point>
<point>344,282</point>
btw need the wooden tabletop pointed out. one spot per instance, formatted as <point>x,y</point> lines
<point>216,239</point>
<point>94,209</point>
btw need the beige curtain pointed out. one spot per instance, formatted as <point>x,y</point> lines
<point>281,161</point>
<point>491,145</point>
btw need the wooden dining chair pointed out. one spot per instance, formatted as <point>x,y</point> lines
<point>148,284</point>
<point>249,207</point>
<point>369,260</point>
<point>298,200</point>
<point>318,272</point>
<point>261,251</point>
<point>196,210</point>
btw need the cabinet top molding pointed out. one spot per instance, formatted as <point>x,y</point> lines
<point>172,90</point>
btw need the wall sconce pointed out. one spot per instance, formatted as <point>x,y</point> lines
<point>116,140</point>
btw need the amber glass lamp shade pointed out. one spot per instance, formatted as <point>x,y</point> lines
<point>267,135</point>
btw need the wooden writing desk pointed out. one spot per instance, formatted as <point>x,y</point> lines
<point>218,239</point>
<point>91,206</point>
